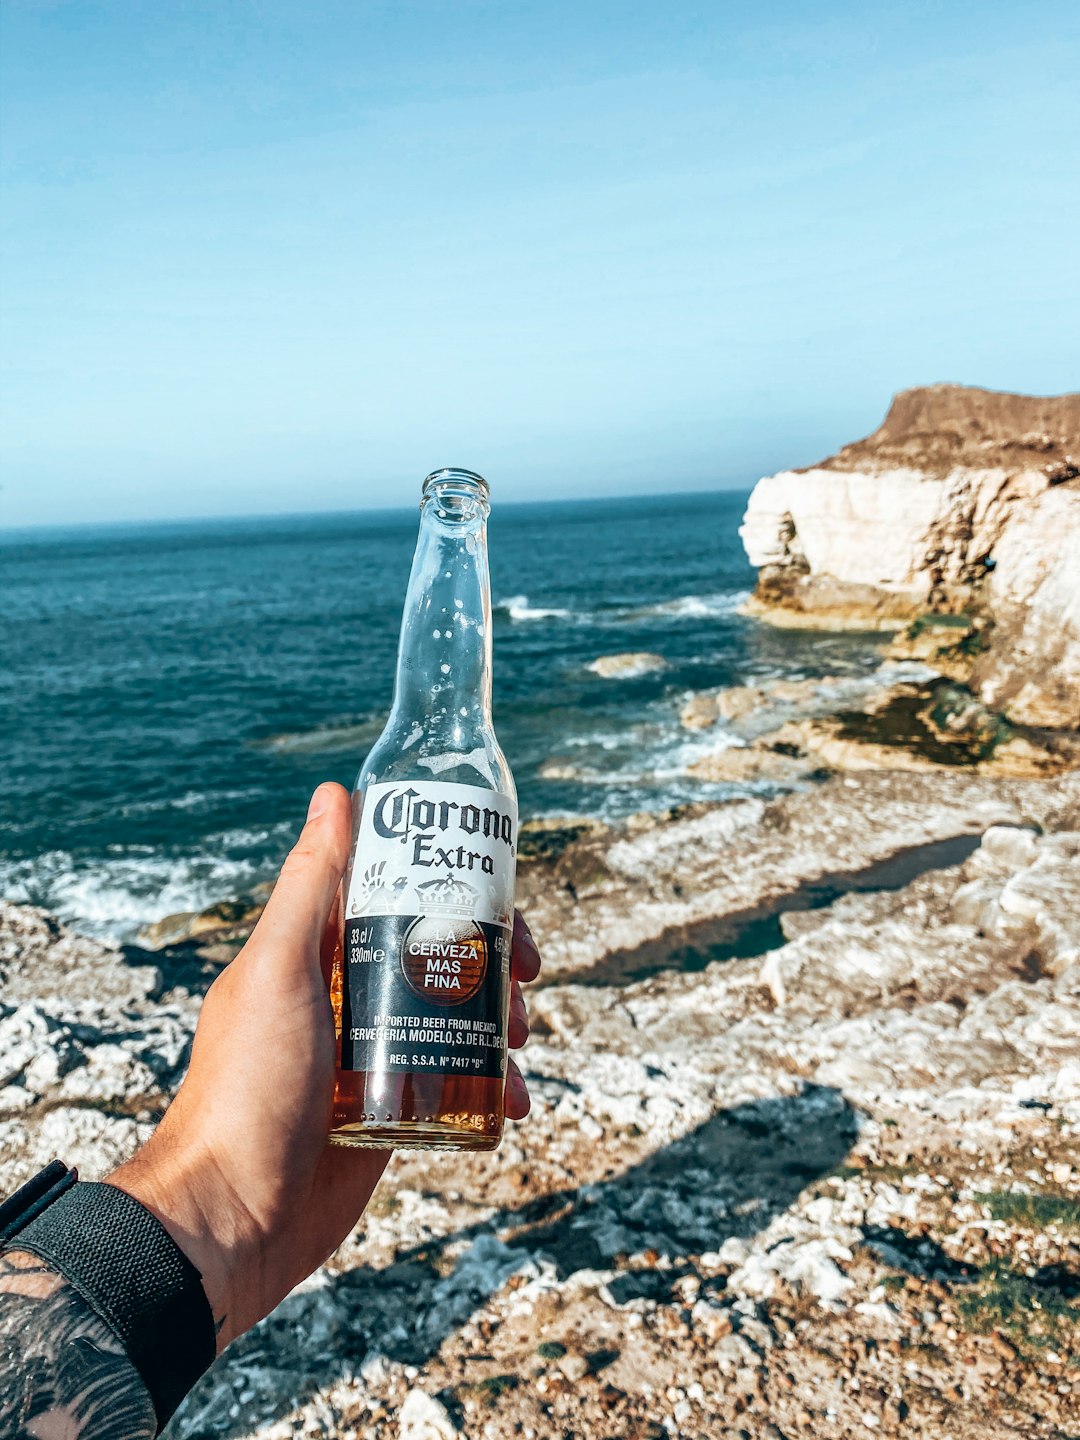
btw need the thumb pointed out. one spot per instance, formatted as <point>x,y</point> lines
<point>297,911</point>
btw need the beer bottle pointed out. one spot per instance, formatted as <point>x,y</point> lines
<point>421,983</point>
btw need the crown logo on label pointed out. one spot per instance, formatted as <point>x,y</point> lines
<point>446,896</point>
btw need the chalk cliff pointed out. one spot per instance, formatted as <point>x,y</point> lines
<point>963,502</point>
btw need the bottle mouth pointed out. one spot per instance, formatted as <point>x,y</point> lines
<point>465,484</point>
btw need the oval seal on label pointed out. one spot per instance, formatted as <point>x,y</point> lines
<point>444,961</point>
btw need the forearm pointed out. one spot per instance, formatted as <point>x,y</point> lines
<point>63,1373</point>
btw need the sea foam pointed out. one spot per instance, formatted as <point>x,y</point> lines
<point>518,608</point>
<point>681,607</point>
<point>112,897</point>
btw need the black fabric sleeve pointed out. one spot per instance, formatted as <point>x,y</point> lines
<point>127,1267</point>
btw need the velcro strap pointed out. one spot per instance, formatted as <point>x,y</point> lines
<point>128,1268</point>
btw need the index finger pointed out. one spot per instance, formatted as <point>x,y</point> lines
<point>524,956</point>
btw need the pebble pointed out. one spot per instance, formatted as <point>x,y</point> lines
<point>422,1417</point>
<point>575,1367</point>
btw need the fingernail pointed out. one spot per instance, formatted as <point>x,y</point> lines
<point>318,802</point>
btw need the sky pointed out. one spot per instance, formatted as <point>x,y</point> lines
<point>261,256</point>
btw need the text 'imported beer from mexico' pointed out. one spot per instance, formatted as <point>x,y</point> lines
<point>421,985</point>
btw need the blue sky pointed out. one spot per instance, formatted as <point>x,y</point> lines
<point>265,256</point>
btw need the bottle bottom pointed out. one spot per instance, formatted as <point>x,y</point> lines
<point>416,1111</point>
<point>415,1136</point>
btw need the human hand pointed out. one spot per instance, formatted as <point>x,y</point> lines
<point>239,1170</point>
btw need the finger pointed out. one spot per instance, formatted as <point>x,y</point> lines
<point>517,1101</point>
<point>524,956</point>
<point>296,914</point>
<point>518,1028</point>
<point>331,937</point>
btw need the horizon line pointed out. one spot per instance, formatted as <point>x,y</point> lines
<point>8,530</point>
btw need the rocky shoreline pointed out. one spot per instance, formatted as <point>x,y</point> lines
<point>830,1187</point>
<point>914,718</point>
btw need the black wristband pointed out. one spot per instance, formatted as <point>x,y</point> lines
<point>128,1268</point>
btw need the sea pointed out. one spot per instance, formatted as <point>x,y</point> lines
<point>172,693</point>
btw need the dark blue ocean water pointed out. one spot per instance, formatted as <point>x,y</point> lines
<point>172,693</point>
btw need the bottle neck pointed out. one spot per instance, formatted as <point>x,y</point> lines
<point>443,678</point>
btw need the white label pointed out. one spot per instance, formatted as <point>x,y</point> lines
<point>428,848</point>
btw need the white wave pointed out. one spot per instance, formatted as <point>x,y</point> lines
<point>518,608</point>
<point>682,607</point>
<point>689,607</point>
<point>598,740</point>
<point>113,896</point>
<point>892,672</point>
<point>651,776</point>
<point>649,757</point>
<point>193,800</point>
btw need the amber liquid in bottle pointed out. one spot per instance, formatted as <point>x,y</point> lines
<point>421,980</point>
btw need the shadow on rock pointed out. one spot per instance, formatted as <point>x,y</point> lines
<point>186,967</point>
<point>729,1177</point>
<point>743,934</point>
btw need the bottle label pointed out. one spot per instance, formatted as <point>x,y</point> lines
<point>428,923</point>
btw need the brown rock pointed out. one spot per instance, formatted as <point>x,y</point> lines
<point>701,710</point>
<point>223,921</point>
<point>627,666</point>
<point>916,728</point>
<point>749,762</point>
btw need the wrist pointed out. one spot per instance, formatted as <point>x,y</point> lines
<point>179,1191</point>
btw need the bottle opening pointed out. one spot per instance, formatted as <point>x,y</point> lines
<point>458,495</point>
<point>461,482</point>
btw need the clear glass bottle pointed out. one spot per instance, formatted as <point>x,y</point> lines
<point>421,982</point>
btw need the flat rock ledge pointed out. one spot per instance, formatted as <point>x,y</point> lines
<point>815,1178</point>
<point>791,731</point>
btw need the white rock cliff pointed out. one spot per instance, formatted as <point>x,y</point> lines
<point>964,501</point>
